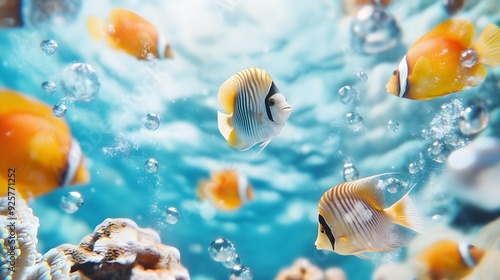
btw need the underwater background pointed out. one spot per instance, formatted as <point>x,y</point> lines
<point>311,50</point>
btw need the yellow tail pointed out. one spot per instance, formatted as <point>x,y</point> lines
<point>98,28</point>
<point>404,213</point>
<point>487,45</point>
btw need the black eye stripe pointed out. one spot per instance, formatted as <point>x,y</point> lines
<point>328,231</point>
<point>272,91</point>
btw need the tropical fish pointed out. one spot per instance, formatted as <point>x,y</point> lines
<point>445,60</point>
<point>130,33</point>
<point>453,6</point>
<point>353,220</point>
<point>257,110</point>
<point>36,147</point>
<point>447,259</point>
<point>227,190</point>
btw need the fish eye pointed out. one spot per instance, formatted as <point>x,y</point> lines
<point>322,230</point>
<point>395,72</point>
<point>272,103</point>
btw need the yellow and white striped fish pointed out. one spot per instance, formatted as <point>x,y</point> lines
<point>257,110</point>
<point>353,220</point>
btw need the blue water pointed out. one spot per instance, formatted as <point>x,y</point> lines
<point>306,48</point>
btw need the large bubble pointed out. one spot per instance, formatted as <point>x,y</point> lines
<point>79,82</point>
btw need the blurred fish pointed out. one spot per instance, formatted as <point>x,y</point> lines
<point>447,259</point>
<point>445,60</point>
<point>351,7</point>
<point>130,33</point>
<point>353,220</point>
<point>227,190</point>
<point>38,146</point>
<point>453,6</point>
<point>257,110</point>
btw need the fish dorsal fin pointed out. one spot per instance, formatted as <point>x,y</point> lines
<point>227,94</point>
<point>404,213</point>
<point>487,45</point>
<point>119,15</point>
<point>456,29</point>
<point>367,189</point>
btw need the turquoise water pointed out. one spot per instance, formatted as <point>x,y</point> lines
<point>307,50</point>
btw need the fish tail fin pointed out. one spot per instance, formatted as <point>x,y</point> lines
<point>487,45</point>
<point>202,190</point>
<point>98,28</point>
<point>225,126</point>
<point>404,213</point>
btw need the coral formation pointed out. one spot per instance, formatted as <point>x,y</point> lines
<point>302,269</point>
<point>18,237</point>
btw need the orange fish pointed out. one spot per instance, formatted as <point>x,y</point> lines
<point>447,259</point>
<point>227,190</point>
<point>36,147</point>
<point>130,33</point>
<point>445,60</point>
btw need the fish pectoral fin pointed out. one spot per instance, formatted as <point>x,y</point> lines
<point>227,94</point>
<point>404,213</point>
<point>487,45</point>
<point>460,30</point>
<point>98,28</point>
<point>423,76</point>
<point>225,126</point>
<point>263,145</point>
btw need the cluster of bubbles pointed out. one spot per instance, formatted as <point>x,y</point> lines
<point>451,126</point>
<point>223,251</point>
<point>374,30</point>
<point>354,121</point>
<point>416,166</point>
<point>172,215</point>
<point>79,82</point>
<point>394,185</point>
<point>49,46</point>
<point>41,13</point>
<point>350,172</point>
<point>151,165</point>
<point>151,121</point>
<point>71,202</point>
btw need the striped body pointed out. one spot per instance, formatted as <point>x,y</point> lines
<point>130,33</point>
<point>354,214</point>
<point>258,111</point>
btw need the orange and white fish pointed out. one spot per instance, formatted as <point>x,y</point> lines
<point>227,190</point>
<point>38,146</point>
<point>353,219</point>
<point>257,110</point>
<point>130,33</point>
<point>447,259</point>
<point>445,60</point>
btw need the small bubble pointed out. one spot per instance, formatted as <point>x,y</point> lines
<point>173,215</point>
<point>235,261</point>
<point>151,121</point>
<point>354,121</point>
<point>221,250</point>
<point>474,118</point>
<point>393,126</point>
<point>49,47</point>
<point>240,273</point>
<point>394,185</point>
<point>362,77</point>
<point>348,94</point>
<point>48,87</point>
<point>438,152</point>
<point>151,165</point>
<point>436,217</point>
<point>79,82</point>
<point>426,134</point>
<point>469,58</point>
<point>435,148</point>
<point>350,172</point>
<point>71,202</point>
<point>413,168</point>
<point>59,110</point>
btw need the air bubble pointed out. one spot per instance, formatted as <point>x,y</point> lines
<point>348,94</point>
<point>362,77</point>
<point>469,58</point>
<point>71,202</point>
<point>151,165</point>
<point>235,261</point>
<point>59,110</point>
<point>48,87</point>
<point>221,250</point>
<point>151,121</point>
<point>173,215</point>
<point>49,47</point>
<point>350,172</point>
<point>393,126</point>
<point>394,185</point>
<point>354,121</point>
<point>474,118</point>
<point>79,82</point>
<point>240,273</point>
